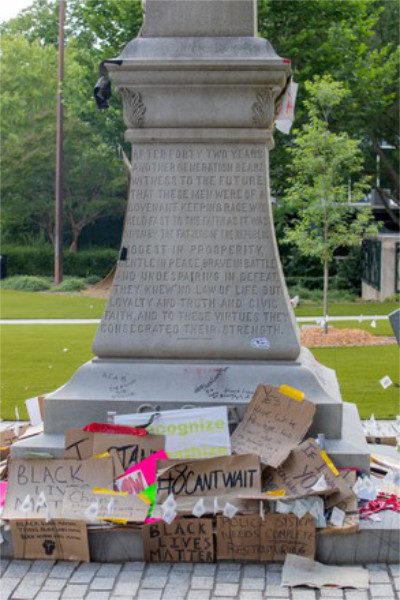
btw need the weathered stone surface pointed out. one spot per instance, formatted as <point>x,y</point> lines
<point>375,543</point>
<point>201,276</point>
<point>172,18</point>
<point>394,318</point>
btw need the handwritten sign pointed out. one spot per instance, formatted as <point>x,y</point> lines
<point>56,540</point>
<point>130,449</point>
<point>302,470</point>
<point>110,505</point>
<point>142,475</point>
<point>273,424</point>
<point>184,540</point>
<point>37,487</point>
<point>190,433</point>
<point>228,475</point>
<point>250,538</point>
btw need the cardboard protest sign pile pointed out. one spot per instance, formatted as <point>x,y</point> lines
<point>197,492</point>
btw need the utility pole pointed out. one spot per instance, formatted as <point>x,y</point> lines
<point>59,199</point>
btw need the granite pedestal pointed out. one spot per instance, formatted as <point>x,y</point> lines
<point>199,313</point>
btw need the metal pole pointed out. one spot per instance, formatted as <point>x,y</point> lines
<point>59,224</point>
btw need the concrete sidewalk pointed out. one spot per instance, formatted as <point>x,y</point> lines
<point>47,580</point>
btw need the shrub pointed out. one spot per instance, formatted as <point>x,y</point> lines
<point>39,261</point>
<point>93,279</point>
<point>316,296</point>
<point>349,272</point>
<point>71,284</point>
<point>395,298</point>
<point>25,283</point>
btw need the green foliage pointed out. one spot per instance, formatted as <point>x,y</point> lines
<point>26,283</point>
<point>315,296</point>
<point>39,260</point>
<point>395,298</point>
<point>94,261</point>
<point>94,184</point>
<point>93,279</point>
<point>356,42</point>
<point>348,276</point>
<point>70,284</point>
<point>322,162</point>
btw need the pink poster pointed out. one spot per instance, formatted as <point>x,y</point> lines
<point>140,476</point>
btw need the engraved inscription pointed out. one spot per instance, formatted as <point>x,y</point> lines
<point>201,260</point>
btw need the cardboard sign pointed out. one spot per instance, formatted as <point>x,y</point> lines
<point>301,471</point>
<point>228,475</point>
<point>250,538</point>
<point>30,480</point>
<point>130,449</point>
<point>273,424</point>
<point>299,570</point>
<point>11,434</point>
<point>142,475</point>
<point>56,540</point>
<point>185,540</point>
<point>117,507</point>
<point>190,433</point>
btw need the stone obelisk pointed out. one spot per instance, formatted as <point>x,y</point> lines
<point>198,312</point>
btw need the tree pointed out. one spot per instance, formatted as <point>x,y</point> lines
<point>355,41</point>
<point>322,163</point>
<point>93,180</point>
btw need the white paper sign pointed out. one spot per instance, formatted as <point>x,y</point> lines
<point>34,412</point>
<point>386,382</point>
<point>189,433</point>
<point>285,117</point>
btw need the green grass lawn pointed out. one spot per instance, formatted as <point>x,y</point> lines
<point>34,362</point>
<point>359,371</point>
<point>41,305</point>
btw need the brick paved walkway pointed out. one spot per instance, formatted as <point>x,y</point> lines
<point>46,580</point>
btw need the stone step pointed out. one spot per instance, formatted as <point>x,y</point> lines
<point>349,451</point>
<point>374,543</point>
<point>126,386</point>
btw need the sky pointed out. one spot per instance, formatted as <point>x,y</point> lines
<point>10,8</point>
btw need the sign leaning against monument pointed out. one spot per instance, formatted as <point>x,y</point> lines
<point>199,312</point>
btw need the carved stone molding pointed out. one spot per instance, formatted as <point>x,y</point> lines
<point>134,109</point>
<point>264,108</point>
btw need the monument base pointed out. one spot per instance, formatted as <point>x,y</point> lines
<point>141,385</point>
<point>374,543</point>
<point>129,386</point>
<point>349,450</point>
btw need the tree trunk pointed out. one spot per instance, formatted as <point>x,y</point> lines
<point>73,247</point>
<point>326,280</point>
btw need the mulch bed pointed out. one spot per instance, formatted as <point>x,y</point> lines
<point>316,338</point>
